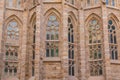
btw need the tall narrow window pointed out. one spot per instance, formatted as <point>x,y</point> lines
<point>13,30</point>
<point>10,3</point>
<point>52,37</point>
<point>72,1</point>
<point>96,1</point>
<point>71,46</point>
<point>113,2</point>
<point>88,2</point>
<point>107,2</point>
<point>18,3</point>
<point>95,48</point>
<point>33,51</point>
<point>113,40</point>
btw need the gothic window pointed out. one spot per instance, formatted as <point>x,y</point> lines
<point>71,48</point>
<point>95,1</point>
<point>14,3</point>
<point>52,37</point>
<point>13,30</point>
<point>88,2</point>
<point>95,48</point>
<point>18,3</point>
<point>11,61</point>
<point>10,3</point>
<point>107,2</point>
<point>33,51</point>
<point>113,40</point>
<point>72,1</point>
<point>113,2</point>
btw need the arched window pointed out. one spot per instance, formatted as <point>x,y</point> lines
<point>95,48</point>
<point>113,40</point>
<point>13,30</point>
<point>71,48</point>
<point>52,37</point>
<point>33,50</point>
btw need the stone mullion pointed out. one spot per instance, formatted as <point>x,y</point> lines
<point>106,43</point>
<point>23,47</point>
<point>82,46</point>
<point>64,55</point>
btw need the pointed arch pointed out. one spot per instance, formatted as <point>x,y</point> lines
<point>33,18</point>
<point>73,17</point>
<point>93,16</point>
<point>94,34</point>
<point>114,18</point>
<point>13,17</point>
<point>52,11</point>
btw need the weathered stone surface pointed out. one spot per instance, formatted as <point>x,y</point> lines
<point>32,13</point>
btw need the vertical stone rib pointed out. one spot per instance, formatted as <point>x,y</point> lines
<point>82,45</point>
<point>65,44</point>
<point>24,46</point>
<point>37,44</point>
<point>106,43</point>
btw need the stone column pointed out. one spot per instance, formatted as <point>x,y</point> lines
<point>106,43</point>
<point>37,43</point>
<point>82,45</point>
<point>2,14</point>
<point>23,46</point>
<point>64,42</point>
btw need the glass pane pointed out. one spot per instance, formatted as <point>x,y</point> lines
<point>47,53</point>
<point>110,22</point>
<point>52,52</point>
<point>57,51</point>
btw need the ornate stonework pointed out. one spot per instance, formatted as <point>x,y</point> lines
<point>59,40</point>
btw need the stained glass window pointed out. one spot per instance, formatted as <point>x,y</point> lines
<point>113,40</point>
<point>13,30</point>
<point>95,48</point>
<point>71,48</point>
<point>52,37</point>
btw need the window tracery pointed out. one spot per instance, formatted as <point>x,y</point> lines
<point>95,48</point>
<point>112,40</point>
<point>110,2</point>
<point>71,1</point>
<point>14,3</point>
<point>11,61</point>
<point>52,37</point>
<point>13,30</point>
<point>71,48</point>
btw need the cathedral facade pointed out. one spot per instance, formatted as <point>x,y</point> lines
<point>59,40</point>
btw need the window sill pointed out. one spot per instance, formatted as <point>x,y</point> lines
<point>92,7</point>
<point>71,5</point>
<point>15,9</point>
<point>112,7</point>
<point>115,62</point>
<point>53,59</point>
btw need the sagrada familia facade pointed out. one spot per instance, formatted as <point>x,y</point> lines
<point>59,39</point>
